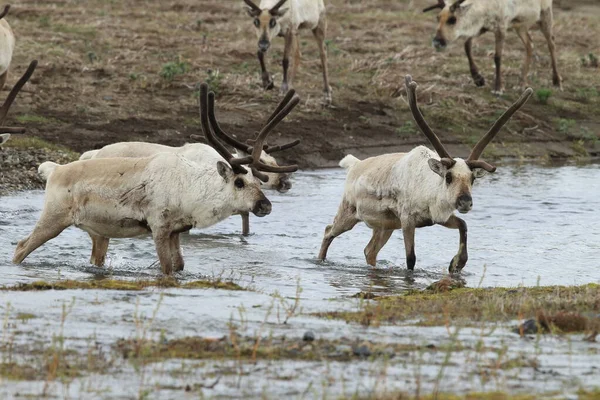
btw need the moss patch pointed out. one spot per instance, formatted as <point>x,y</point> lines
<point>115,284</point>
<point>475,305</point>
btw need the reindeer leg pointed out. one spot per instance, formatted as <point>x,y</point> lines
<point>344,221</point>
<point>378,240</point>
<point>319,33</point>
<point>162,241</point>
<point>266,77</point>
<point>177,257</point>
<point>289,44</point>
<point>546,23</point>
<point>527,42</point>
<point>99,250</point>
<point>408,231</point>
<point>245,224</point>
<point>477,78</point>
<point>460,259</point>
<point>49,226</point>
<point>500,35</point>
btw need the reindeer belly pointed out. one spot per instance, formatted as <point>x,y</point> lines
<point>378,213</point>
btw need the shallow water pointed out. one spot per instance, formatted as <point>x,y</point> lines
<point>529,225</point>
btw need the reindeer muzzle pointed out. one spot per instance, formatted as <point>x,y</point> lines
<point>262,208</point>
<point>439,43</point>
<point>263,45</point>
<point>464,204</point>
<point>284,185</point>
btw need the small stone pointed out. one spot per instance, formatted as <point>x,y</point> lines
<point>309,336</point>
<point>188,388</point>
<point>362,351</point>
<point>431,346</point>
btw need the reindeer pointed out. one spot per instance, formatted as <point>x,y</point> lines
<point>399,191</point>
<point>471,18</point>
<point>278,178</point>
<point>7,45</point>
<point>10,99</point>
<point>271,20</point>
<point>164,195</point>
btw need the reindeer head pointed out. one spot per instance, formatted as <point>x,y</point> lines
<point>266,22</point>
<point>7,130</point>
<point>449,21</point>
<point>457,175</point>
<point>243,184</point>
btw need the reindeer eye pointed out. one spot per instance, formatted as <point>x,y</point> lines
<point>239,183</point>
<point>451,20</point>
<point>272,23</point>
<point>256,22</point>
<point>448,178</point>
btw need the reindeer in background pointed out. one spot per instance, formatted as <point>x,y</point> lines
<point>285,18</point>
<point>471,18</point>
<point>412,190</point>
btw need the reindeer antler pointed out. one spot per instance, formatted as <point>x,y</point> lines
<point>11,98</point>
<point>5,11</point>
<point>253,6</point>
<point>209,122</point>
<point>275,9</point>
<point>411,91</point>
<point>473,160</point>
<point>440,4</point>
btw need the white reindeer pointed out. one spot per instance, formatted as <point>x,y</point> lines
<point>278,177</point>
<point>10,99</point>
<point>164,195</point>
<point>7,45</point>
<point>471,18</point>
<point>412,190</point>
<point>285,18</point>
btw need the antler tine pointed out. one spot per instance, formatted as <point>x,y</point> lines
<point>440,4</point>
<point>275,9</point>
<point>210,136</point>
<point>264,132</point>
<point>5,11</point>
<point>15,90</point>
<point>411,90</point>
<point>252,5</point>
<point>282,147</point>
<point>487,138</point>
<point>286,99</point>
<point>230,140</point>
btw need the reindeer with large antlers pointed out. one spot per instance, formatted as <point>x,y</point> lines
<point>285,18</point>
<point>164,195</point>
<point>412,190</point>
<point>471,18</point>
<point>273,176</point>
<point>8,130</point>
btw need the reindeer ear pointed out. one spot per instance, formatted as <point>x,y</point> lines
<point>225,171</point>
<point>479,173</point>
<point>437,167</point>
<point>4,138</point>
<point>458,9</point>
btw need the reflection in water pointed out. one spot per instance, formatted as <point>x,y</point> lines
<point>528,223</point>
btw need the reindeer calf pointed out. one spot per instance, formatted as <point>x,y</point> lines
<point>471,18</point>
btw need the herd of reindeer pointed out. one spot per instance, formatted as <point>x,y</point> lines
<point>134,188</point>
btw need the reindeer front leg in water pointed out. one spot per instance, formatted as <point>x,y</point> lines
<point>460,259</point>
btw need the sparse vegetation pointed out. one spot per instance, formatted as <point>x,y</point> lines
<point>172,69</point>
<point>543,95</point>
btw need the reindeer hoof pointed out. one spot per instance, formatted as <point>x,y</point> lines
<point>457,264</point>
<point>498,93</point>
<point>479,80</point>
<point>557,81</point>
<point>268,85</point>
